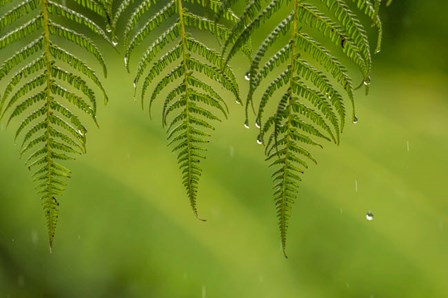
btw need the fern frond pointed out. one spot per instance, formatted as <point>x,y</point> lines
<point>305,81</point>
<point>49,90</point>
<point>186,71</point>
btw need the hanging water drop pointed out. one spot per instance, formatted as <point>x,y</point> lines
<point>260,139</point>
<point>257,123</point>
<point>135,84</point>
<point>247,76</point>
<point>246,124</point>
<point>370,216</point>
<point>125,60</point>
<point>355,120</point>
<point>114,41</point>
<point>366,81</point>
<point>108,28</point>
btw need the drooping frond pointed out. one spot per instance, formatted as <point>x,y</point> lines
<point>182,68</point>
<point>48,88</point>
<point>301,63</point>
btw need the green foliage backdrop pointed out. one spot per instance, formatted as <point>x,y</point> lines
<point>125,228</point>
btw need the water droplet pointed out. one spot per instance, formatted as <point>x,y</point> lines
<point>232,151</point>
<point>370,216</point>
<point>108,28</point>
<point>366,81</point>
<point>377,51</point>
<point>246,124</point>
<point>247,76</point>
<point>34,237</point>
<point>21,281</point>
<point>204,291</point>
<point>260,140</point>
<point>355,120</point>
<point>257,123</point>
<point>238,102</point>
<point>114,41</point>
<point>135,84</point>
<point>125,60</point>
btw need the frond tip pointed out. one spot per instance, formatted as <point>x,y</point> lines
<point>47,89</point>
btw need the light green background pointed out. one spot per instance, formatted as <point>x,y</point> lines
<point>126,228</point>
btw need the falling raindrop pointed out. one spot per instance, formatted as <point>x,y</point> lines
<point>21,281</point>
<point>247,76</point>
<point>34,237</point>
<point>246,124</point>
<point>356,185</point>
<point>355,120</point>
<point>204,291</point>
<point>232,151</point>
<point>408,146</point>
<point>370,216</point>
<point>125,60</point>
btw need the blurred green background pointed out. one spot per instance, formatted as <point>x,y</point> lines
<point>126,228</point>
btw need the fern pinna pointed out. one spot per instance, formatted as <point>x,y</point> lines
<point>179,66</point>
<point>46,86</point>
<point>299,67</point>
